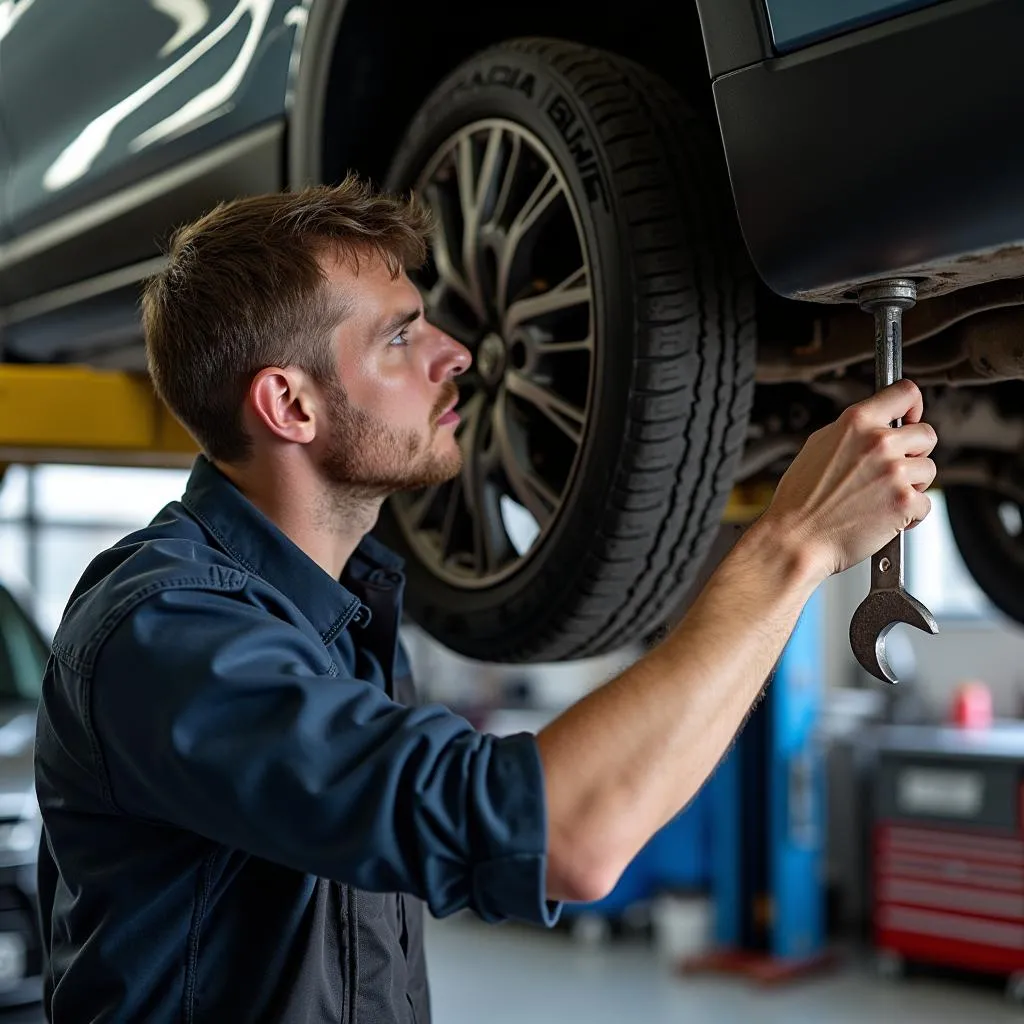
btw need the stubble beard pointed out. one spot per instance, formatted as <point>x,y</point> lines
<point>367,459</point>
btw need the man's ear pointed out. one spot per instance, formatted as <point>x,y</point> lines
<point>283,401</point>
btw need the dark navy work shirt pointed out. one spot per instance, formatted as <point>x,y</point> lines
<point>243,805</point>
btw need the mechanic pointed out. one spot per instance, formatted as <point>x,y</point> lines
<point>243,803</point>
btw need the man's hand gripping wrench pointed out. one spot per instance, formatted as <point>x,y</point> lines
<point>887,602</point>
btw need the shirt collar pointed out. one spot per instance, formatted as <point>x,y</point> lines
<point>262,548</point>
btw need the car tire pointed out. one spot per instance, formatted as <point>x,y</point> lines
<point>621,454</point>
<point>988,529</point>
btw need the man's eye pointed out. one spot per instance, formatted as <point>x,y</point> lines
<point>400,339</point>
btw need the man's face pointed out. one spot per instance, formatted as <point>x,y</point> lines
<point>390,423</point>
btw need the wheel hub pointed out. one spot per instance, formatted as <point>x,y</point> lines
<point>491,358</point>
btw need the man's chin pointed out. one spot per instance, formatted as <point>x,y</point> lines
<point>439,471</point>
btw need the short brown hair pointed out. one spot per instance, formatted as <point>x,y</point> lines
<point>243,289</point>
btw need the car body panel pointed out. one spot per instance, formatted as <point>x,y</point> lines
<point>895,149</point>
<point>736,34</point>
<point>843,156</point>
<point>157,83</point>
<point>133,132</point>
<point>130,225</point>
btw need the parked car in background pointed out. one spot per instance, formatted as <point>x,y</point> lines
<point>652,232</point>
<point>23,653</point>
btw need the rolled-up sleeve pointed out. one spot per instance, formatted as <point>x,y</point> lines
<point>213,716</point>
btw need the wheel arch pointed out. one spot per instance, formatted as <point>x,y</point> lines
<point>359,81</point>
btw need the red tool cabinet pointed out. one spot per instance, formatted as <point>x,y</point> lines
<point>947,861</point>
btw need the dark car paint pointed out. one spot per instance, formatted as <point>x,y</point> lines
<point>894,148</point>
<point>121,206</point>
<point>140,68</point>
<point>843,156</point>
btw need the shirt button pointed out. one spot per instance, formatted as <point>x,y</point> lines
<point>362,616</point>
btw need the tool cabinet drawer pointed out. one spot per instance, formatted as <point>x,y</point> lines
<point>948,896</point>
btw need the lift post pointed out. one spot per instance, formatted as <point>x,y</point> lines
<point>768,826</point>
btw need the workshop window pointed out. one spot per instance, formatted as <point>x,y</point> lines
<point>936,574</point>
<point>55,519</point>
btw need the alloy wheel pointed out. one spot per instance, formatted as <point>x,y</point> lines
<point>508,276</point>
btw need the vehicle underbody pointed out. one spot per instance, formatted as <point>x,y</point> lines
<point>964,348</point>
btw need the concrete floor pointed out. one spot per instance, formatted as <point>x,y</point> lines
<point>511,975</point>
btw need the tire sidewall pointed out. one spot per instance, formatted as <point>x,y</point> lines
<point>521,88</point>
<point>995,571</point>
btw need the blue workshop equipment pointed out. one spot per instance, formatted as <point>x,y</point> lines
<point>754,835</point>
<point>768,818</point>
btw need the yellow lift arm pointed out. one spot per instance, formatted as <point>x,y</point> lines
<point>62,413</point>
<point>66,413</point>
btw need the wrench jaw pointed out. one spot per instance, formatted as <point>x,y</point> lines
<point>875,617</point>
<point>881,667</point>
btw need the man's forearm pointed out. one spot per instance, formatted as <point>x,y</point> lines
<point>625,759</point>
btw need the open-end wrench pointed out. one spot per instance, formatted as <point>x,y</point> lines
<point>887,603</point>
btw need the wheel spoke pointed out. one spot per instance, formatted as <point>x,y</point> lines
<point>554,348</point>
<point>443,317</point>
<point>449,278</point>
<point>490,545</point>
<point>569,418</point>
<point>471,415</point>
<point>421,505</point>
<point>490,542</point>
<point>529,489</point>
<point>547,191</point>
<point>473,195</point>
<point>507,180</point>
<point>573,291</point>
<point>450,515</point>
<point>469,440</point>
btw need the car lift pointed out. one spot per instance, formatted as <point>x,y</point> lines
<point>766,805</point>
<point>77,414</point>
<point>768,826</point>
<point>65,413</point>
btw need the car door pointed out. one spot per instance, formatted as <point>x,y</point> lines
<point>102,95</point>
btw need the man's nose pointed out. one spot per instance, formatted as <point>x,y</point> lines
<point>462,358</point>
<point>452,358</point>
